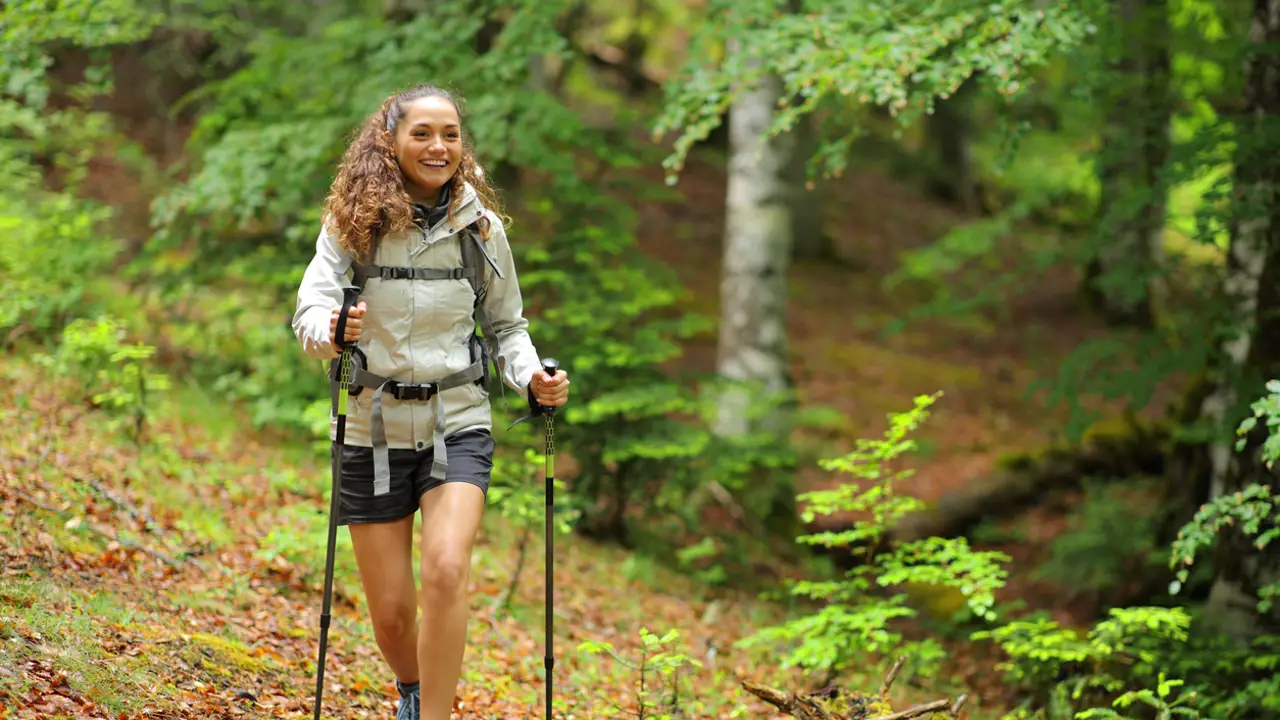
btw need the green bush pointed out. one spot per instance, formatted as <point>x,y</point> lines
<point>855,623</point>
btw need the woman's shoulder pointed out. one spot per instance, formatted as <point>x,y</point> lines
<point>475,203</point>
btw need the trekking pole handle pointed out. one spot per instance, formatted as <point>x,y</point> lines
<point>549,366</point>
<point>349,296</point>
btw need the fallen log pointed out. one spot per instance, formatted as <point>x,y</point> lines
<point>834,703</point>
<point>1130,450</point>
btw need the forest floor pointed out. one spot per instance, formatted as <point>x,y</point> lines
<point>91,626</point>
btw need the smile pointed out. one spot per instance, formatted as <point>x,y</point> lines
<point>435,163</point>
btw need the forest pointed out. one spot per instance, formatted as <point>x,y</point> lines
<point>925,357</point>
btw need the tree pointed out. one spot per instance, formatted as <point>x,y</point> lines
<point>757,253</point>
<point>1120,278</point>
<point>1250,342</point>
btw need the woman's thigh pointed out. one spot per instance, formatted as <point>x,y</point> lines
<point>451,515</point>
<point>384,557</point>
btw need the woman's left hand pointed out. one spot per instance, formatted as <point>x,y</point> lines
<point>550,391</point>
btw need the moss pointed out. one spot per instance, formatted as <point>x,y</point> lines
<point>1024,460</point>
<point>219,653</point>
<point>1116,442</point>
<point>858,706</point>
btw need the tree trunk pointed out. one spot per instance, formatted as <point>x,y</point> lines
<point>950,130</point>
<point>1251,354</point>
<point>1120,279</point>
<point>757,252</point>
<point>808,237</point>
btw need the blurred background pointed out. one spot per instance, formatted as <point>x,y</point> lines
<point>938,329</point>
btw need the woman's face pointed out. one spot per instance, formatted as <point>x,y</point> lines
<point>428,144</point>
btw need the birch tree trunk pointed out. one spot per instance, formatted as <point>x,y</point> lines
<point>1120,280</point>
<point>757,253</point>
<point>1251,355</point>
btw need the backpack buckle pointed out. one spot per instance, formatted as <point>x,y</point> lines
<point>413,392</point>
<point>457,273</point>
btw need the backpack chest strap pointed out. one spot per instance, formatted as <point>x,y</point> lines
<point>385,272</point>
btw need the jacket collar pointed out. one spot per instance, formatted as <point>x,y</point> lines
<point>469,210</point>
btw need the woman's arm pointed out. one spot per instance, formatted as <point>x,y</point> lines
<point>319,293</point>
<point>517,358</point>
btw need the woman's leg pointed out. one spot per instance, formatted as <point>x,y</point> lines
<point>451,516</point>
<point>384,556</point>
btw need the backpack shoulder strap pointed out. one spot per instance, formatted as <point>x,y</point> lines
<point>474,259</point>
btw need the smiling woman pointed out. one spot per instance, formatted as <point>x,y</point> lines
<point>410,211</point>
<point>395,163</point>
<point>428,146</point>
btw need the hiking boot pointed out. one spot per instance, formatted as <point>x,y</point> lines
<point>410,701</point>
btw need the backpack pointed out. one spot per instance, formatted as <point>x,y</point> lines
<point>483,351</point>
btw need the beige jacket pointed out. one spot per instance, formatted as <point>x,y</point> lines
<point>417,331</point>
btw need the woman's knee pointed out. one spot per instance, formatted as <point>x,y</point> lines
<point>445,572</point>
<point>393,617</point>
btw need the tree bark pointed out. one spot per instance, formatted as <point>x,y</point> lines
<point>757,250</point>
<point>1120,279</point>
<point>950,130</point>
<point>1250,354</point>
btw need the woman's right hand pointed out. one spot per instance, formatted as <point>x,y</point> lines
<point>351,334</point>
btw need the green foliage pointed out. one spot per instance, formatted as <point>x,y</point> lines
<point>1127,644</point>
<point>1063,671</point>
<point>32,27</point>
<point>1253,509</point>
<point>521,499</point>
<point>1110,541</point>
<point>118,376</point>
<point>1141,648</point>
<point>908,54</point>
<point>234,236</point>
<point>56,259</point>
<point>1267,407</point>
<point>660,700</point>
<point>1167,707</point>
<point>1052,198</point>
<point>54,250</point>
<point>855,623</point>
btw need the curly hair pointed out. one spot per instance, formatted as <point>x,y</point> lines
<point>368,197</point>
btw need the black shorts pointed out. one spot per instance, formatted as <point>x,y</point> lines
<point>470,456</point>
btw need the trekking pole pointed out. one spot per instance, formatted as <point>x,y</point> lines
<point>349,295</point>
<point>550,366</point>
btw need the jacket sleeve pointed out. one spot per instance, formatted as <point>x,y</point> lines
<point>319,293</point>
<point>517,358</point>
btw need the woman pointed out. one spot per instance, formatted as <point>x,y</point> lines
<point>410,194</point>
